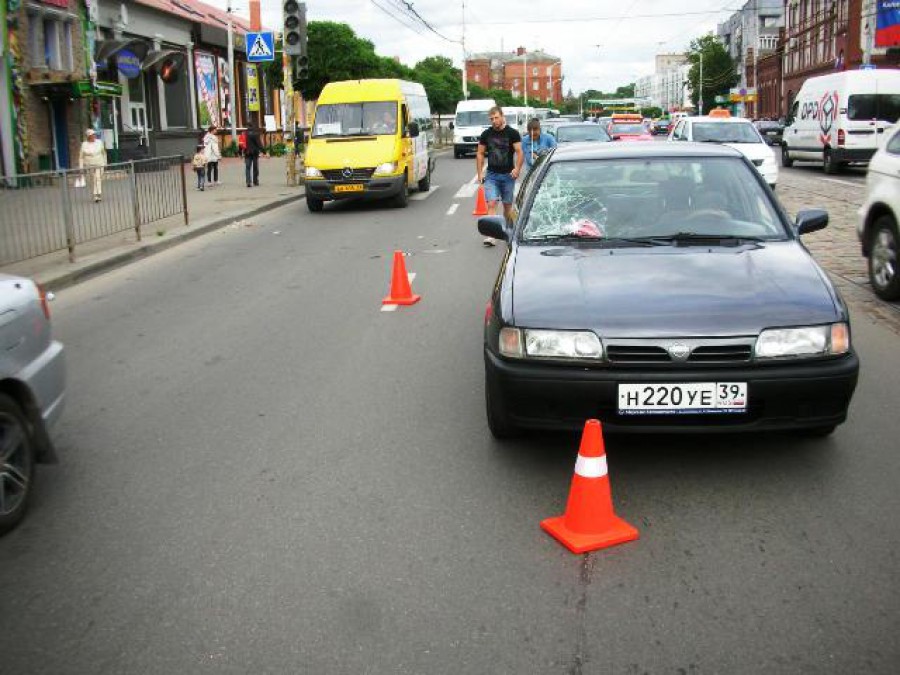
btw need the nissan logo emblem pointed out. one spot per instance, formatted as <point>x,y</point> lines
<point>679,351</point>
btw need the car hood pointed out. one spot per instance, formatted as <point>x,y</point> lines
<point>669,291</point>
<point>753,150</point>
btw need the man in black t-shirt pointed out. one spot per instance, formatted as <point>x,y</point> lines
<point>503,146</point>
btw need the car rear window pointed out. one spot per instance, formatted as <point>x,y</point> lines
<point>725,132</point>
<point>582,132</point>
<point>884,107</point>
<point>627,198</point>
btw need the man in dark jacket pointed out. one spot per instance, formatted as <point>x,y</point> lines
<point>251,155</point>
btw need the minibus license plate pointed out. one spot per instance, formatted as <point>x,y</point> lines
<point>352,187</point>
<point>685,399</point>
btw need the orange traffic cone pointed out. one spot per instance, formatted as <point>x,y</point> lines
<point>401,292</point>
<point>589,522</point>
<point>480,203</point>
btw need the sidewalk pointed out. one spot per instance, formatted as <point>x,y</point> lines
<point>208,210</point>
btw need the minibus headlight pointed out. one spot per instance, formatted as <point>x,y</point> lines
<point>313,172</point>
<point>386,169</point>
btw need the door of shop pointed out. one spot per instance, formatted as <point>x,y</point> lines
<point>60,130</point>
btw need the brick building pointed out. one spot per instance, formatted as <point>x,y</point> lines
<point>819,37</point>
<point>535,74</point>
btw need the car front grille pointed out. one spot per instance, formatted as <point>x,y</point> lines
<point>695,351</point>
<point>470,139</point>
<point>337,175</point>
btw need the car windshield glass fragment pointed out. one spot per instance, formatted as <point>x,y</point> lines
<point>583,132</point>
<point>628,199</point>
<point>725,132</point>
<point>373,118</point>
<point>473,118</point>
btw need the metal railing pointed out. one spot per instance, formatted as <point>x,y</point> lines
<point>42,213</point>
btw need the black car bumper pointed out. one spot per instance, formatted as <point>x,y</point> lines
<point>464,148</point>
<point>779,396</point>
<point>374,188</point>
<point>852,154</point>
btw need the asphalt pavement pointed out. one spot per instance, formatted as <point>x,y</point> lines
<point>262,471</point>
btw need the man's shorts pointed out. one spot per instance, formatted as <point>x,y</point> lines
<point>499,187</point>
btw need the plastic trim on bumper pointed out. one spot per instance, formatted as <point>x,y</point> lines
<point>376,187</point>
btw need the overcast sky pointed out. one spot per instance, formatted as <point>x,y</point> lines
<point>603,44</point>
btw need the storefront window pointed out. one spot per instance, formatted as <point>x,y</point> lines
<point>177,102</point>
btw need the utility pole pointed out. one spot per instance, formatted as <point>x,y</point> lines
<point>231,87</point>
<point>465,74</point>
<point>700,98</point>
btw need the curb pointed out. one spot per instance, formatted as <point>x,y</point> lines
<point>95,268</point>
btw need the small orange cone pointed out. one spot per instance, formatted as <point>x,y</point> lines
<point>480,203</point>
<point>401,292</point>
<point>589,522</point>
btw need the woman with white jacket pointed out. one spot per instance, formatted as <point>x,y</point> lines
<point>213,155</point>
<point>92,157</point>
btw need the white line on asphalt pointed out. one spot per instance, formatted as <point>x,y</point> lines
<point>393,308</point>
<point>843,182</point>
<point>474,179</point>
<point>467,191</point>
<point>452,208</point>
<point>422,196</point>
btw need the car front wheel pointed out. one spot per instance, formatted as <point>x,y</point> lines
<point>16,464</point>
<point>883,272</point>
<point>786,160</point>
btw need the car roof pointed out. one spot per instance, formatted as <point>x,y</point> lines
<point>720,120</point>
<point>641,150</point>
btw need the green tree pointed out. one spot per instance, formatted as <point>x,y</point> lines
<point>336,53</point>
<point>442,82</point>
<point>719,71</point>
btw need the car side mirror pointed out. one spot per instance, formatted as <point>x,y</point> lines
<point>493,226</point>
<point>811,220</point>
<point>451,125</point>
<point>412,129</point>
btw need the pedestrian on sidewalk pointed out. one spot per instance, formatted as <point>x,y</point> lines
<point>92,156</point>
<point>503,145</point>
<point>251,155</point>
<point>199,164</point>
<point>213,155</point>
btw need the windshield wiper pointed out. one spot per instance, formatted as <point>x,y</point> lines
<point>564,236</point>
<point>609,241</point>
<point>697,238</point>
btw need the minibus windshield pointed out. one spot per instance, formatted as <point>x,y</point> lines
<point>372,118</point>
<point>473,118</point>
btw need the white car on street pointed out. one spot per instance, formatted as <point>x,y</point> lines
<point>879,219</point>
<point>738,133</point>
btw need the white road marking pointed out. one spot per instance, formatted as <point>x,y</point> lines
<point>474,179</point>
<point>467,191</point>
<point>842,182</point>
<point>452,208</point>
<point>393,308</point>
<point>422,196</point>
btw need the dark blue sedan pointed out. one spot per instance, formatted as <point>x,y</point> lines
<point>662,288</point>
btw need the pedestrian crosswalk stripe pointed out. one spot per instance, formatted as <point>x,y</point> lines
<point>259,48</point>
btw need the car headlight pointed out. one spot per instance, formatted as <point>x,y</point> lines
<point>550,344</point>
<point>313,172</point>
<point>386,169</point>
<point>804,341</point>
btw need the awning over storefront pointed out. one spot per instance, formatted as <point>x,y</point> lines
<point>159,55</point>
<point>106,48</point>
<point>79,89</point>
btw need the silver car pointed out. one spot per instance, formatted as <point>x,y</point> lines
<point>32,391</point>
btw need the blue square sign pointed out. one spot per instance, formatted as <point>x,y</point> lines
<point>260,47</point>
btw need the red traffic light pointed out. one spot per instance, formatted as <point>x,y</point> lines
<point>168,71</point>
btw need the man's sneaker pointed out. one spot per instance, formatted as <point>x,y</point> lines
<point>488,241</point>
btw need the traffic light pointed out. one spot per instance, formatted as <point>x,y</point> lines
<point>168,71</point>
<point>294,27</point>
<point>300,65</point>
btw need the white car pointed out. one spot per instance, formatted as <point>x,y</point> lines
<point>879,219</point>
<point>738,133</point>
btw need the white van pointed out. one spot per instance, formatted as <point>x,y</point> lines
<point>471,119</point>
<point>841,118</point>
<point>517,117</point>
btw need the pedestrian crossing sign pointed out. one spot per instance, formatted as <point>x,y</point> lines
<point>260,47</point>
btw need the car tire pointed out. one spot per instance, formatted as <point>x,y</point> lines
<point>884,258</point>
<point>497,415</point>
<point>425,183</point>
<point>786,160</point>
<point>401,199</point>
<point>830,166</point>
<point>315,205</point>
<point>16,464</point>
